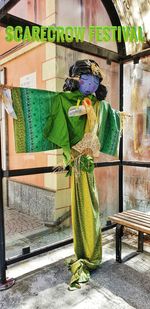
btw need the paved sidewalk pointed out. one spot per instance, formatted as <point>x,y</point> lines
<point>22,230</point>
<point>42,282</point>
<point>17,222</point>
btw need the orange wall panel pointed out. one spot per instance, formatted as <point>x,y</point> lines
<point>5,46</point>
<point>25,64</point>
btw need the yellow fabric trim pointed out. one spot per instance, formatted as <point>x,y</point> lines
<point>91,118</point>
<point>78,102</point>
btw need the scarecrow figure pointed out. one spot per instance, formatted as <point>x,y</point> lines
<point>80,121</point>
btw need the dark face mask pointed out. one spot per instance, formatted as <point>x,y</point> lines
<point>88,83</point>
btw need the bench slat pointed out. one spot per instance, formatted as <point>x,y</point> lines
<point>137,227</point>
<point>128,218</point>
<point>139,218</point>
<point>140,213</point>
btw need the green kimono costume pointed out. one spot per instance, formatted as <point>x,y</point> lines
<point>43,124</point>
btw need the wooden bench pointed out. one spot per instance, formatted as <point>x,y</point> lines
<point>133,219</point>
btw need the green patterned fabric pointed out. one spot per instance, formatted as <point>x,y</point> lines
<point>32,107</point>
<point>109,129</point>
<point>84,200</point>
<point>43,123</point>
<point>63,130</point>
<point>86,226</point>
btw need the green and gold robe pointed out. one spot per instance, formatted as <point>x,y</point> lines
<point>43,124</point>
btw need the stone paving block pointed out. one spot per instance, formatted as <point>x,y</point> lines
<point>11,193</point>
<point>24,203</point>
<point>32,198</point>
<point>33,201</point>
<point>100,299</point>
<point>18,189</point>
<point>16,222</point>
<point>46,204</point>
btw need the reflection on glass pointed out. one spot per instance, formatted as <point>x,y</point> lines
<point>108,191</point>
<point>37,212</point>
<point>84,13</point>
<point>137,188</point>
<point>137,103</point>
<point>65,58</point>
<point>134,13</point>
<point>38,208</point>
<point>66,13</point>
<point>32,10</point>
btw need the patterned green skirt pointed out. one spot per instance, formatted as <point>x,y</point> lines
<point>86,227</point>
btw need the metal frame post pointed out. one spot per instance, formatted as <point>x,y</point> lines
<point>121,145</point>
<point>119,234</point>
<point>140,241</point>
<point>4,282</point>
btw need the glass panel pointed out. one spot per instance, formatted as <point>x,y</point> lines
<point>66,13</point>
<point>37,211</point>
<point>137,188</point>
<point>108,191</point>
<point>29,76</point>
<point>137,103</point>
<point>33,10</point>
<point>37,208</point>
<point>84,13</point>
<point>49,74</point>
<point>134,13</point>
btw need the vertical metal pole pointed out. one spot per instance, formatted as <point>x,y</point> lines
<point>2,232</point>
<point>140,242</point>
<point>4,154</point>
<point>4,283</point>
<point>119,234</point>
<point>121,145</point>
